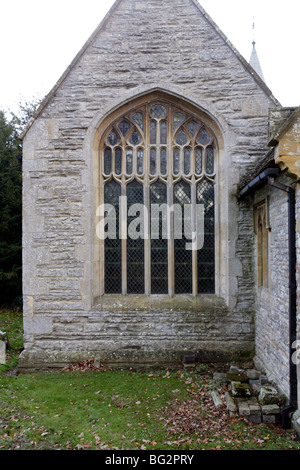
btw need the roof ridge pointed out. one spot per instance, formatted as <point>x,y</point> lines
<point>102,24</point>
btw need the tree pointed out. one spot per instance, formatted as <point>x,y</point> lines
<point>10,212</point>
<point>11,201</point>
<point>26,112</point>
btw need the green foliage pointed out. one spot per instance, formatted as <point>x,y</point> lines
<point>11,202</point>
<point>10,212</point>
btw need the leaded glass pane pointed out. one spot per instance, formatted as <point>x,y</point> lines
<point>118,161</point>
<point>153,161</point>
<point>112,246</point>
<point>206,255</point>
<point>129,161</point>
<point>135,138</point>
<point>176,161</point>
<point>153,126</point>
<point>163,161</point>
<point>107,161</point>
<point>135,248</point>
<point>159,242</point>
<point>124,127</point>
<point>182,257</point>
<point>178,119</point>
<point>113,138</point>
<point>181,138</point>
<point>138,118</point>
<point>140,161</point>
<point>198,161</point>
<point>158,111</point>
<point>204,138</point>
<point>187,161</point>
<point>210,160</point>
<point>163,132</point>
<point>193,127</point>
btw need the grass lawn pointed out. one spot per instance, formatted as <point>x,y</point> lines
<point>109,410</point>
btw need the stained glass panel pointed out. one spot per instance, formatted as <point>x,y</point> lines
<point>107,161</point>
<point>153,126</point>
<point>129,161</point>
<point>198,161</point>
<point>206,256</point>
<point>204,138</point>
<point>124,127</point>
<point>140,161</point>
<point>182,257</point>
<point>113,138</point>
<point>152,161</point>
<point>112,247</point>
<point>163,161</point>
<point>181,138</point>
<point>135,138</point>
<point>193,127</point>
<point>138,118</point>
<point>178,119</point>
<point>163,132</point>
<point>210,160</point>
<point>187,161</point>
<point>176,161</point>
<point>135,248</point>
<point>158,111</point>
<point>159,243</point>
<point>118,161</point>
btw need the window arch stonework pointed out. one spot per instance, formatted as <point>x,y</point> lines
<point>158,153</point>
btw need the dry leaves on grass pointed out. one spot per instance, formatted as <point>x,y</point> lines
<point>198,421</point>
<point>83,366</point>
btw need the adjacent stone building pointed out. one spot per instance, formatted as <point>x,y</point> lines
<point>273,189</point>
<point>157,108</point>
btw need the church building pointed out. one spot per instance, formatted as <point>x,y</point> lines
<point>161,203</point>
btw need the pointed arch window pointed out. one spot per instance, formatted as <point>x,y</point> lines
<point>161,158</point>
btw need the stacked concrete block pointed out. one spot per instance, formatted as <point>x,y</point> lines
<point>253,398</point>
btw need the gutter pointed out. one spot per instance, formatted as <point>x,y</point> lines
<point>268,177</point>
<point>258,180</point>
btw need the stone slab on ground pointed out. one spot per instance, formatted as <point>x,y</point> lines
<point>219,377</point>
<point>268,395</point>
<point>216,399</point>
<point>2,352</point>
<point>230,403</point>
<point>270,409</point>
<point>240,390</point>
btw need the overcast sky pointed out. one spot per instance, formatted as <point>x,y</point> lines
<point>39,39</point>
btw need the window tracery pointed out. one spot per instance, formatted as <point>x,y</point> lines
<point>159,154</point>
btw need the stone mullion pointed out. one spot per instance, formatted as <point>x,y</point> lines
<point>194,233</point>
<point>147,204</point>
<point>123,234</point>
<point>171,285</point>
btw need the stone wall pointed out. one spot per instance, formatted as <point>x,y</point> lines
<point>170,46</point>
<point>272,304</point>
